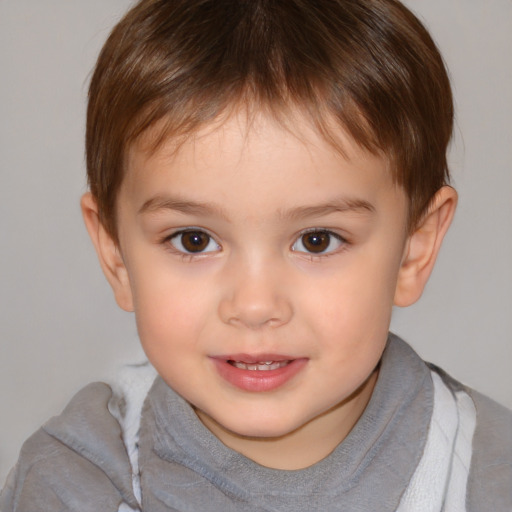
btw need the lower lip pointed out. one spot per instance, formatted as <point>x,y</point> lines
<point>258,380</point>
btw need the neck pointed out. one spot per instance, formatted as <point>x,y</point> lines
<point>306,445</point>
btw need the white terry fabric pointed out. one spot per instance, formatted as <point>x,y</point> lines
<point>130,388</point>
<point>456,494</point>
<point>440,480</point>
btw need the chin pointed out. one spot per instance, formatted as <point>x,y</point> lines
<point>261,428</point>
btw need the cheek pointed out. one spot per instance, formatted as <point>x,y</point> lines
<point>170,310</point>
<point>357,302</point>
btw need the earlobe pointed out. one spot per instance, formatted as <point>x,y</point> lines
<point>423,246</point>
<point>108,252</point>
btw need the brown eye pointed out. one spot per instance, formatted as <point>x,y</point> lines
<point>318,242</point>
<point>191,242</point>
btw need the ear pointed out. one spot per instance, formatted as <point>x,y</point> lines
<point>422,247</point>
<point>109,255</point>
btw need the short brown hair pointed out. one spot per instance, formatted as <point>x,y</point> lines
<point>369,64</point>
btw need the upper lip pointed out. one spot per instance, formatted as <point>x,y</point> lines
<point>254,358</point>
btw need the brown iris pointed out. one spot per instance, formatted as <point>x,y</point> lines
<point>194,241</point>
<point>316,241</point>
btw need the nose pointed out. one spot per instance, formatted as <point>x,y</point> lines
<point>255,298</point>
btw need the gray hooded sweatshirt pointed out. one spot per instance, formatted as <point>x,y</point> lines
<point>424,443</point>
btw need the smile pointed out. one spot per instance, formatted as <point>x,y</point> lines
<point>261,366</point>
<point>261,373</point>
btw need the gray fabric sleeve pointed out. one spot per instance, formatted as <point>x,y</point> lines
<point>77,462</point>
<point>490,477</point>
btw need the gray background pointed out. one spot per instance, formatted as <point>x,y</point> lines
<point>59,325</point>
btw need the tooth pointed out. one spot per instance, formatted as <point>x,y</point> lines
<point>261,366</point>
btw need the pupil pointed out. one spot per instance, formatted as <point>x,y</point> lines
<point>316,242</point>
<point>194,241</point>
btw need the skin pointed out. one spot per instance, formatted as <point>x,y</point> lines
<point>253,191</point>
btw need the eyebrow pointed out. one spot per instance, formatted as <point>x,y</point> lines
<point>184,206</point>
<point>337,205</point>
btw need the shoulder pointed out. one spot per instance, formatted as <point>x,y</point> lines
<point>493,420</point>
<point>490,476</point>
<point>76,461</point>
<point>483,451</point>
<point>492,439</point>
<point>490,479</point>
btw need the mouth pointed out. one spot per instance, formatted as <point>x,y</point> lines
<point>256,373</point>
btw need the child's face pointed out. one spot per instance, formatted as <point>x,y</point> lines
<point>262,268</point>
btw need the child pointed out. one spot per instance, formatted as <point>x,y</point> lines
<point>268,179</point>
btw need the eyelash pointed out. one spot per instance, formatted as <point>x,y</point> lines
<point>183,251</point>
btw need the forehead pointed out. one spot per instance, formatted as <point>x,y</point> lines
<point>240,131</point>
<point>284,162</point>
